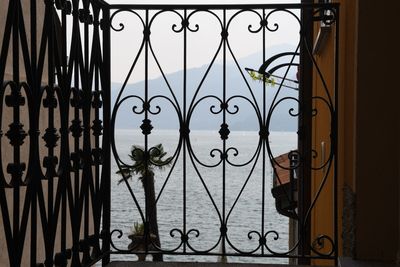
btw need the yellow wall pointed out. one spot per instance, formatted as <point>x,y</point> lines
<point>322,215</point>
<point>368,129</point>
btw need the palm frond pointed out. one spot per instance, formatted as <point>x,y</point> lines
<point>125,172</point>
<point>142,168</point>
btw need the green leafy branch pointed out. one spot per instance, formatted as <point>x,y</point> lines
<point>256,76</point>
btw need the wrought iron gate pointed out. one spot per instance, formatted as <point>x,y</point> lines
<point>54,176</point>
<point>59,120</point>
<point>151,104</point>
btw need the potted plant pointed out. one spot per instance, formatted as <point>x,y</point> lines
<point>138,243</point>
<point>144,164</point>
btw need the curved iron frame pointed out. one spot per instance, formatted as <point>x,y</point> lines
<point>185,109</point>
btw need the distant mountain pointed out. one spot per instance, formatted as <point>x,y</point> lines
<point>246,98</point>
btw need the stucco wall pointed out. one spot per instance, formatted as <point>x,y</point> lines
<point>369,120</point>
<point>323,213</point>
<point>6,119</point>
<point>7,150</point>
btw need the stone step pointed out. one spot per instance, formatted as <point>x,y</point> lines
<point>189,264</point>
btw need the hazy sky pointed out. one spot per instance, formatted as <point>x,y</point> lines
<point>201,45</point>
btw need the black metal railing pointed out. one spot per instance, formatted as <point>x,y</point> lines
<point>54,176</point>
<point>285,87</point>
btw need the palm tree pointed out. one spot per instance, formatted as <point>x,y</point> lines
<point>144,164</point>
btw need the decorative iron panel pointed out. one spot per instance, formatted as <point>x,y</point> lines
<point>150,104</point>
<point>54,176</point>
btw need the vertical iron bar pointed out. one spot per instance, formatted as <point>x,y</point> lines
<point>86,172</point>
<point>146,139</point>
<point>305,132</point>
<point>33,224</point>
<point>33,249</point>
<point>336,136</point>
<point>106,170</point>
<point>5,48</point>
<point>186,125</point>
<point>263,143</point>
<point>16,121</point>
<point>33,127</point>
<point>63,177</point>
<point>76,217</point>
<point>96,202</point>
<point>223,230</point>
<point>33,43</point>
<point>77,59</point>
<point>97,115</point>
<point>50,151</point>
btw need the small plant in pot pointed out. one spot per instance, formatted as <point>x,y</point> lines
<point>138,243</point>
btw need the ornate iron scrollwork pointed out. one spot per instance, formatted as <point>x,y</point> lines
<point>184,104</point>
<point>55,186</point>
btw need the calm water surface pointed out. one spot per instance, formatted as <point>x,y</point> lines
<point>243,174</point>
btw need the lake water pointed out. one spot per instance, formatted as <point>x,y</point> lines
<point>244,216</point>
